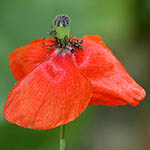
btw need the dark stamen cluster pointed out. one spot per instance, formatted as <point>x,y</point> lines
<point>76,45</point>
<point>66,44</point>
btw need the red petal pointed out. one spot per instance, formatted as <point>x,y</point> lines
<point>53,94</point>
<point>112,85</point>
<point>26,58</point>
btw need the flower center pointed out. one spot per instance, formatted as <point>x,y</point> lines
<point>61,35</point>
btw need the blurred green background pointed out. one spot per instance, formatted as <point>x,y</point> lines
<point>124,25</point>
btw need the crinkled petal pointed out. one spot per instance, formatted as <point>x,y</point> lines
<point>26,58</point>
<point>111,83</point>
<point>53,94</point>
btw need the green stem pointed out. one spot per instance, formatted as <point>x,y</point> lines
<point>62,137</point>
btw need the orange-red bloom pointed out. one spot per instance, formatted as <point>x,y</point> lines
<point>55,88</point>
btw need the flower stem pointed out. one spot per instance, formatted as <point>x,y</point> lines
<point>62,137</point>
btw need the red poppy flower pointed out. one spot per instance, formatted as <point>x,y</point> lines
<point>54,87</point>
